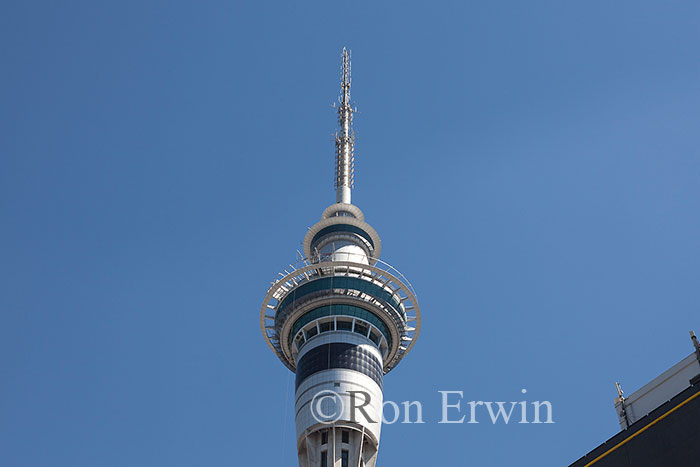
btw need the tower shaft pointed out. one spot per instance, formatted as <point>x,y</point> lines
<point>341,319</point>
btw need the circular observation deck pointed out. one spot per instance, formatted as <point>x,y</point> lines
<point>342,222</point>
<point>348,295</point>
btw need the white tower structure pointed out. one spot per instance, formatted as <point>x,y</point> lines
<point>340,319</point>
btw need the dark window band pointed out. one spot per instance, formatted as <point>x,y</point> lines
<point>342,228</point>
<point>346,310</point>
<point>340,282</point>
<point>338,355</point>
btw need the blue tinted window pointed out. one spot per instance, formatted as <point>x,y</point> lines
<point>339,282</point>
<point>347,310</point>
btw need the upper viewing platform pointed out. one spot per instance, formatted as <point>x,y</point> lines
<point>343,231</point>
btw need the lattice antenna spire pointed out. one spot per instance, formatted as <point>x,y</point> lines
<point>344,138</point>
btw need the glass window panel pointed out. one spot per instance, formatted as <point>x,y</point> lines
<point>346,310</point>
<point>361,328</point>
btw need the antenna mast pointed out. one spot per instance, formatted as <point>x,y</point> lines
<point>345,139</point>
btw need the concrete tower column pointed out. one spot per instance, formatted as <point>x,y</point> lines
<point>340,319</point>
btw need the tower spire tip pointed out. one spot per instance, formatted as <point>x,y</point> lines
<point>345,137</point>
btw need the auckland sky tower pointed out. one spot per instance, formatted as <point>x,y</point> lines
<point>340,319</point>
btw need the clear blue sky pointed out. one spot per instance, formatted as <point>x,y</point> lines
<point>532,167</point>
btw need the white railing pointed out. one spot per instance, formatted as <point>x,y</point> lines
<point>359,263</point>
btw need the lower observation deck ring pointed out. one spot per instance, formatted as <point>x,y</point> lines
<point>392,335</point>
<point>379,272</point>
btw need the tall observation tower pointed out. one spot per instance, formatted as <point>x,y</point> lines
<point>340,319</point>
